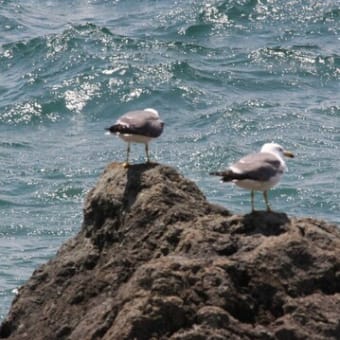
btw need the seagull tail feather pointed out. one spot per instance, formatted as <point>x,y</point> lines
<point>216,173</point>
<point>227,175</point>
<point>117,128</point>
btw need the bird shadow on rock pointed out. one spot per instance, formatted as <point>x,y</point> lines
<point>267,223</point>
<point>134,182</point>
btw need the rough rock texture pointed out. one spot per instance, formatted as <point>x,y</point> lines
<point>155,260</point>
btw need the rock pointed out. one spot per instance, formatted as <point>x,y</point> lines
<point>155,260</point>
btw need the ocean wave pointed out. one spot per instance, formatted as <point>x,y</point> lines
<point>69,66</point>
<point>302,59</point>
<point>63,192</point>
<point>13,231</point>
<point>217,18</point>
<point>5,203</point>
<point>68,72</point>
<point>332,14</point>
<point>44,66</point>
<point>15,145</point>
<point>21,113</point>
<point>240,14</point>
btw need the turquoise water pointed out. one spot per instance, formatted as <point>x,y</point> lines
<point>226,76</point>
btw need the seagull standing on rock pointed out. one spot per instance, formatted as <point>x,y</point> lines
<point>259,171</point>
<point>139,126</point>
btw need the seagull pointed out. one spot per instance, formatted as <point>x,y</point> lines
<point>139,126</point>
<point>259,171</point>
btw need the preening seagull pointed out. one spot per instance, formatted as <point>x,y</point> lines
<point>259,171</point>
<point>138,127</point>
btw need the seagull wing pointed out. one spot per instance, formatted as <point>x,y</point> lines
<point>259,167</point>
<point>141,123</point>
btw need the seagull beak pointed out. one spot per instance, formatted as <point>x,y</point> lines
<point>288,154</point>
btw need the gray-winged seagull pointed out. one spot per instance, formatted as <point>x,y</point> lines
<point>138,127</point>
<point>259,171</point>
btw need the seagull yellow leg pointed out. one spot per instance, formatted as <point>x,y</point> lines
<point>265,195</point>
<point>147,152</point>
<point>126,163</point>
<point>252,201</point>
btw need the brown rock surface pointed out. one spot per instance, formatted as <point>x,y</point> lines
<point>155,260</point>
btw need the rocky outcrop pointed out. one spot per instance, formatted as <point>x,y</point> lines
<point>155,260</point>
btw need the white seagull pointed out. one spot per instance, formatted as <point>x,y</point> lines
<point>259,171</point>
<point>139,126</point>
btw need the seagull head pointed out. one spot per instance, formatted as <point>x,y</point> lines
<point>277,150</point>
<point>155,112</point>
